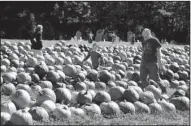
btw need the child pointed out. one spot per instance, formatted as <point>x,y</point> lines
<point>37,45</point>
<point>96,57</point>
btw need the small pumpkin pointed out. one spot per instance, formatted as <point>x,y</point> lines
<point>109,108</point>
<point>91,108</point>
<point>116,93</point>
<point>141,107</point>
<point>45,84</point>
<point>155,108</point>
<point>181,103</point>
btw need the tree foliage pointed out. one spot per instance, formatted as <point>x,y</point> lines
<point>168,19</point>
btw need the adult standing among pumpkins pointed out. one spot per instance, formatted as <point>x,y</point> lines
<point>36,45</point>
<point>151,60</point>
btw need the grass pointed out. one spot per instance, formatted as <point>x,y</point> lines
<point>178,118</point>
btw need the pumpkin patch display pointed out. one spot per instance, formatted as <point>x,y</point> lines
<point>57,86</point>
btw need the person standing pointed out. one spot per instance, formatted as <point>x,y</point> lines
<point>36,41</point>
<point>151,60</point>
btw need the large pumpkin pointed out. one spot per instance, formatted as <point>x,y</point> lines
<point>21,99</point>
<point>181,103</point>
<point>8,107</point>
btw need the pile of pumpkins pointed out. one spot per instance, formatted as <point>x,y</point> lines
<point>56,84</point>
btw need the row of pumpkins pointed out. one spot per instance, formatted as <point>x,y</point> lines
<point>57,85</point>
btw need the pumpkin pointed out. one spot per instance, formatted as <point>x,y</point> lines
<point>24,87</point>
<point>181,102</point>
<point>136,76</point>
<point>111,84</point>
<point>53,76</point>
<point>62,112</point>
<point>155,108</point>
<point>31,62</point>
<point>109,108</point>
<point>21,117</point>
<point>8,107</point>
<point>15,63</point>
<point>84,97</point>
<point>3,68</point>
<point>62,75</point>
<point>80,86</point>
<point>121,84</point>
<point>77,111</point>
<point>39,113</point>
<point>45,94</point>
<point>137,89</point>
<point>102,96</point>
<point>132,83</point>
<point>35,78</point>
<point>21,99</point>
<point>174,83</point>
<point>104,76</point>
<point>35,89</point>
<point>92,75</point>
<point>127,107</point>
<point>45,84</point>
<point>74,96</point>
<point>167,106</point>
<point>48,105</point>
<point>116,93</point>
<point>179,92</point>
<point>5,117</point>
<point>92,93</point>
<point>100,86</point>
<point>41,69</point>
<point>59,61</point>
<point>63,95</point>
<point>5,62</point>
<point>129,74</point>
<point>80,76</point>
<point>69,70</point>
<point>156,91</point>
<point>183,75</point>
<point>9,77</point>
<point>117,77</point>
<point>174,67</point>
<point>141,107</point>
<point>90,84</point>
<point>131,95</point>
<point>8,89</point>
<point>23,78</point>
<point>49,60</point>
<point>91,108</point>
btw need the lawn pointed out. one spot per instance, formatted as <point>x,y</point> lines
<point>178,118</point>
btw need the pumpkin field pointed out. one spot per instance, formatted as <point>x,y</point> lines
<point>57,89</point>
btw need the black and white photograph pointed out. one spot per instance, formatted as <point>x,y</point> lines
<point>95,62</point>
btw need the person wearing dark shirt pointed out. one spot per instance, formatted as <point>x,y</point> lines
<point>151,60</point>
<point>96,57</point>
<point>36,45</point>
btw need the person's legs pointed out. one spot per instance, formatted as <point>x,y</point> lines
<point>154,75</point>
<point>143,75</point>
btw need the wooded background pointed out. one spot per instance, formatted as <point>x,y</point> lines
<point>167,19</point>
